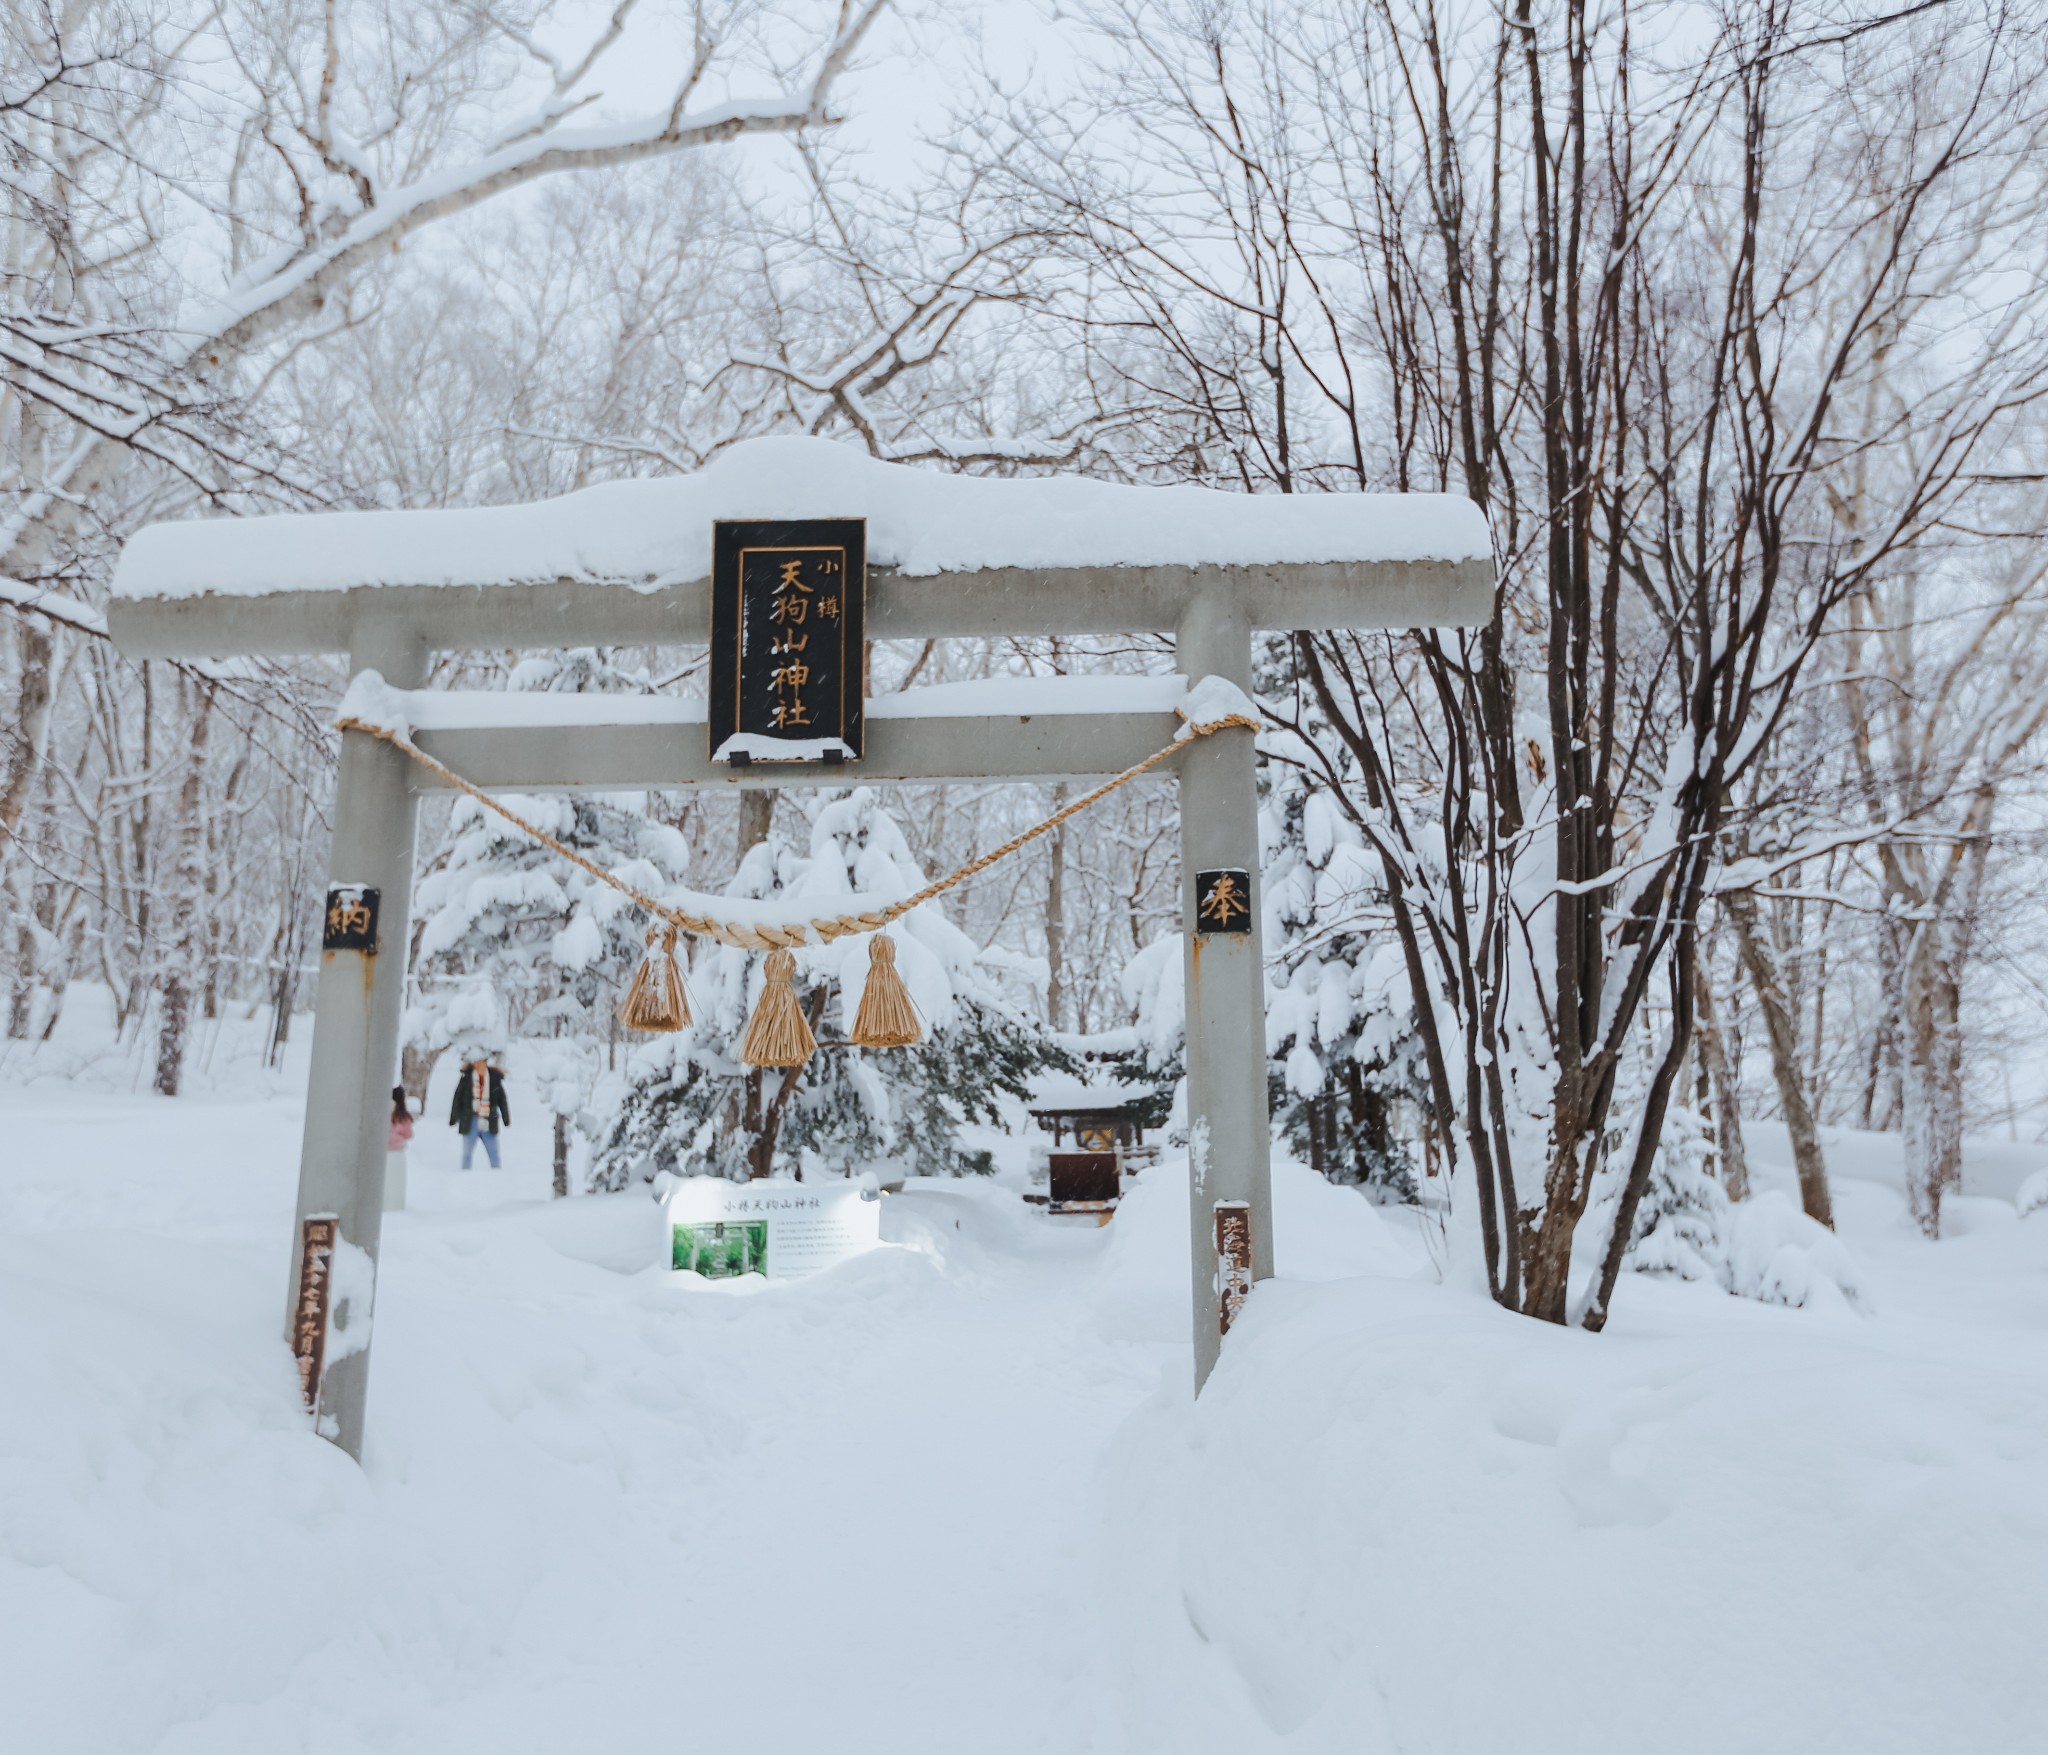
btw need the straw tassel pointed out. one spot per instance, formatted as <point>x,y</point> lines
<point>887,1018</point>
<point>656,1000</point>
<point>777,1034</point>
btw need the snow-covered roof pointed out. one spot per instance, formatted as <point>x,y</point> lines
<point>920,522</point>
<point>1064,1091</point>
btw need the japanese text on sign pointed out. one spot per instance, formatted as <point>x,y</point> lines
<point>309,1315</point>
<point>351,919</point>
<point>1223,901</point>
<point>788,665</point>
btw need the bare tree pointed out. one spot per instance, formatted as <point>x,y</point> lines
<point>1622,303</point>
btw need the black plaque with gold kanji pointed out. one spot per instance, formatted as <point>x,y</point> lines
<point>351,920</point>
<point>788,662</point>
<point>1223,901</point>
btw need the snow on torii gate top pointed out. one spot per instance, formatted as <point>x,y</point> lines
<point>948,555</point>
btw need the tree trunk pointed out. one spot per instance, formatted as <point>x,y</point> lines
<point>561,1157</point>
<point>1724,1092</point>
<point>21,1002</point>
<point>760,1145</point>
<point>281,1006</point>
<point>1056,917</point>
<point>60,982</point>
<point>757,816</point>
<point>36,652</point>
<point>764,1121</point>
<point>415,1068</point>
<point>1760,961</point>
<point>187,914</point>
<point>1932,1041</point>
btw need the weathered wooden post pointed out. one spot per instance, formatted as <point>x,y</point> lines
<point>355,1042</point>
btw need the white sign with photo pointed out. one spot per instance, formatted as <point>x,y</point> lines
<point>721,1229</point>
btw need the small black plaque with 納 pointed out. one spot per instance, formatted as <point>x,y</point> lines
<point>350,923</point>
<point>788,663</point>
<point>1223,900</point>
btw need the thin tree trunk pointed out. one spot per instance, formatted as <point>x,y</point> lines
<point>561,1157</point>
<point>1056,917</point>
<point>767,1126</point>
<point>36,651</point>
<point>21,1001</point>
<point>1760,961</point>
<point>1933,1043</point>
<point>760,1148</point>
<point>757,816</point>
<point>1724,1092</point>
<point>187,912</point>
<point>286,996</point>
<point>415,1068</point>
<point>60,982</point>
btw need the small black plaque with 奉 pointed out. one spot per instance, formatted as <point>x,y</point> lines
<point>1223,900</point>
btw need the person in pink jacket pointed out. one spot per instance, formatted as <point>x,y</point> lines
<point>395,1143</point>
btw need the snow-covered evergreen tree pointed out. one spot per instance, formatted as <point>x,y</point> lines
<point>1681,1224</point>
<point>1344,1061</point>
<point>692,1108</point>
<point>1153,1048</point>
<point>514,940</point>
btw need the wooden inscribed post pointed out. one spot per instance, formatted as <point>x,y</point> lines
<point>788,640</point>
<point>316,1286</point>
<point>1233,1260</point>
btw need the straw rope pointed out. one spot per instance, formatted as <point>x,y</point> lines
<point>826,928</point>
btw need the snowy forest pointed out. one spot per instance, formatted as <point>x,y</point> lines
<point>1637,1333</point>
<point>1731,317</point>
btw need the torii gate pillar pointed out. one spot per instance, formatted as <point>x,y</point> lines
<point>1229,1143</point>
<point>356,1019</point>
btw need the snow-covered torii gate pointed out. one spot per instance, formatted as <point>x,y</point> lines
<point>629,563</point>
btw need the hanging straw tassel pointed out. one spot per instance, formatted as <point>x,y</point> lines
<point>777,1034</point>
<point>887,1018</point>
<point>656,1000</point>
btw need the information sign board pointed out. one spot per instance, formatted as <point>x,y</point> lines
<point>782,1229</point>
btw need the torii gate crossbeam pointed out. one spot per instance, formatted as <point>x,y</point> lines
<point>355,583</point>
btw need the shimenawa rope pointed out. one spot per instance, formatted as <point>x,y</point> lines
<point>778,1034</point>
<point>826,928</point>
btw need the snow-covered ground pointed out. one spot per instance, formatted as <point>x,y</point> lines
<point>952,1496</point>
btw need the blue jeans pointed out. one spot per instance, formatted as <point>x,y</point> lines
<point>470,1135</point>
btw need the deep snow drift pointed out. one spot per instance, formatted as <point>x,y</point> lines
<point>953,1497</point>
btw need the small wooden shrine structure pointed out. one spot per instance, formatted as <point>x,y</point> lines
<point>1107,1120</point>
